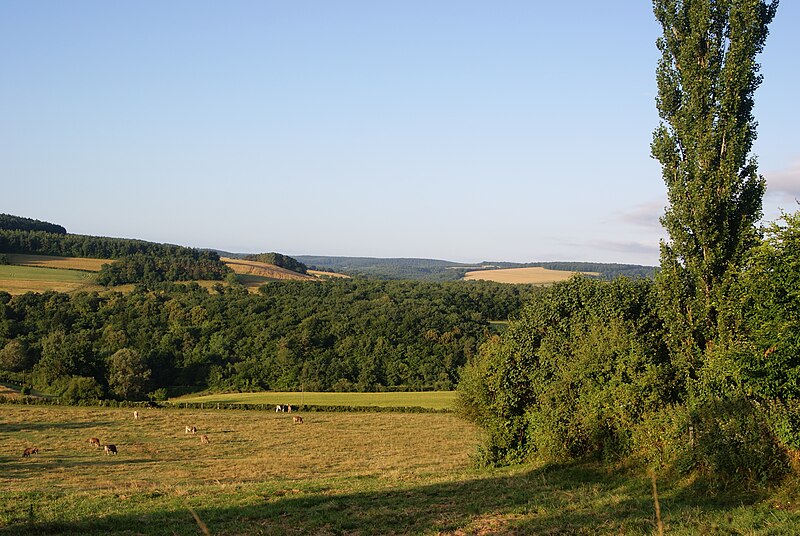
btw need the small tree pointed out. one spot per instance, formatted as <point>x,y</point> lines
<point>14,356</point>
<point>706,79</point>
<point>128,374</point>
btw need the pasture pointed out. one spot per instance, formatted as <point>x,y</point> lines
<point>423,399</point>
<point>533,275</point>
<point>21,279</point>
<point>338,473</point>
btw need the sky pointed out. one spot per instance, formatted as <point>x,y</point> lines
<point>449,129</point>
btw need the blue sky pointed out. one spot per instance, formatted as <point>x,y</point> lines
<point>458,130</point>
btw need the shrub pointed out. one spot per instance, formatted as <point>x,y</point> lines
<point>82,389</point>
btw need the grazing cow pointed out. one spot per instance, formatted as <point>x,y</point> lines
<point>297,419</point>
<point>94,441</point>
<point>28,451</point>
<point>278,408</point>
<point>191,430</point>
<point>135,415</point>
<point>204,439</point>
<point>108,449</point>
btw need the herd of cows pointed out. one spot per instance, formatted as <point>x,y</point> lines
<point>109,448</point>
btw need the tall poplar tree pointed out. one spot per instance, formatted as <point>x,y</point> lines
<point>707,76</point>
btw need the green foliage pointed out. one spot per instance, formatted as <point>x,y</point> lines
<point>81,389</point>
<point>279,259</point>
<point>14,356</point>
<point>151,269</point>
<point>763,319</point>
<point>706,79</point>
<point>128,374</point>
<point>339,334</point>
<point>18,223</point>
<point>4,259</point>
<point>581,364</point>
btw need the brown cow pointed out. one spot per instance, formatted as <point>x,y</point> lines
<point>204,439</point>
<point>108,449</point>
<point>94,441</point>
<point>191,430</point>
<point>297,419</point>
<point>28,451</point>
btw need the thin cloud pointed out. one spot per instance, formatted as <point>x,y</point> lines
<point>645,215</point>
<point>785,182</point>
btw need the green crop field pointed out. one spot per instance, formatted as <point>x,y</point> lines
<point>337,473</point>
<point>424,399</point>
<point>32,273</point>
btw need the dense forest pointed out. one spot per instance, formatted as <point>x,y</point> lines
<point>9,222</point>
<point>335,335</point>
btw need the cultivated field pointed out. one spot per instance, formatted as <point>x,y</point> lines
<point>260,269</point>
<point>337,473</point>
<point>22,279</point>
<point>66,263</point>
<point>425,399</point>
<point>534,275</point>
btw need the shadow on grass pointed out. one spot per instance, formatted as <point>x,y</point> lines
<point>564,499</point>
<point>9,428</point>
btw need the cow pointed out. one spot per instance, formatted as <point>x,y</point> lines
<point>135,415</point>
<point>204,439</point>
<point>278,408</point>
<point>28,451</point>
<point>108,449</point>
<point>95,442</point>
<point>191,430</point>
<point>297,419</point>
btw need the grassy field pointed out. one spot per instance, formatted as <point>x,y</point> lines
<point>338,473</point>
<point>534,275</point>
<point>21,279</point>
<point>425,399</point>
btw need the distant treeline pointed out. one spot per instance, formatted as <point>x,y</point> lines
<point>438,270</point>
<point>606,271</point>
<point>18,223</point>
<point>279,259</point>
<point>137,261</point>
<point>337,335</point>
<point>387,269</point>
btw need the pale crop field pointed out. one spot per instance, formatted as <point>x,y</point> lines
<point>533,275</point>
<point>67,263</point>
<point>423,399</point>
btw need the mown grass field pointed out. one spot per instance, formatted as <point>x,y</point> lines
<point>532,275</point>
<point>20,279</point>
<point>424,399</point>
<point>338,473</point>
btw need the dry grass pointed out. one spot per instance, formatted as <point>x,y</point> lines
<point>21,279</point>
<point>533,275</point>
<point>261,269</point>
<point>245,446</point>
<point>66,263</point>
